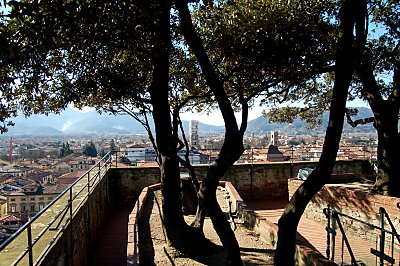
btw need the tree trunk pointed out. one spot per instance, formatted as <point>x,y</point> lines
<point>388,157</point>
<point>233,142</point>
<point>175,226</point>
<point>285,251</point>
<point>386,113</point>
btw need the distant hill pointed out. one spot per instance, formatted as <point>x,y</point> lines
<point>262,124</point>
<point>73,122</point>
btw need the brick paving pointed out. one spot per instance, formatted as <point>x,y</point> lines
<point>111,246</point>
<point>110,249</point>
<point>316,235</point>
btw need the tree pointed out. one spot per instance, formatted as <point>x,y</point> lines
<point>379,72</point>
<point>113,148</point>
<point>139,58</point>
<point>351,13</point>
<point>124,159</point>
<point>113,56</point>
<point>65,150</point>
<point>90,150</point>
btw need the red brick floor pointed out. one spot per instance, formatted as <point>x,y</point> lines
<point>315,233</point>
<point>110,249</point>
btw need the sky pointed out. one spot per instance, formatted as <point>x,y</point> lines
<point>215,118</point>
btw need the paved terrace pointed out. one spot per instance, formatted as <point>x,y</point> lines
<point>111,247</point>
<point>313,232</point>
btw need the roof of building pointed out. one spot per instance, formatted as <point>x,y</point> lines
<point>70,178</point>
<point>272,149</point>
<point>9,218</point>
<point>55,189</point>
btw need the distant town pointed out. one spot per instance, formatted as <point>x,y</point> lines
<point>34,170</point>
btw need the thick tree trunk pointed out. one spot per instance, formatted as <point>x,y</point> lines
<point>207,198</point>
<point>179,234</point>
<point>388,156</point>
<point>233,143</point>
<point>285,251</point>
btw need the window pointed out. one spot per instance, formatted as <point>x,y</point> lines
<point>41,206</point>
<point>50,198</point>
<point>12,200</point>
<point>23,208</point>
<point>32,208</point>
<point>41,198</point>
<point>32,199</point>
<point>23,199</point>
<point>12,208</point>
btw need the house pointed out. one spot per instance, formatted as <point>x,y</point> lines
<point>32,198</point>
<point>3,206</point>
<point>81,164</point>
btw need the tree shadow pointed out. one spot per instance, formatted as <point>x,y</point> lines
<point>146,251</point>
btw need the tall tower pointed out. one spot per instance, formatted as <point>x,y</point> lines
<point>11,151</point>
<point>274,138</point>
<point>193,133</point>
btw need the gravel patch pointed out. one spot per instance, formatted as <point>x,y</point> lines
<point>254,251</point>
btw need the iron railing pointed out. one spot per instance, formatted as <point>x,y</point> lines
<point>30,244</point>
<point>384,251</point>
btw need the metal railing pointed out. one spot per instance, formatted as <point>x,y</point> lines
<point>30,244</point>
<point>384,252</point>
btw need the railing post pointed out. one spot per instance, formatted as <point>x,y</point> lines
<point>71,243</point>
<point>333,239</point>
<point>382,239</point>
<point>88,183</point>
<point>116,159</point>
<point>252,171</point>
<point>30,251</point>
<point>327,212</point>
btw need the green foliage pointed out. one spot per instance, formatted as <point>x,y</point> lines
<point>113,148</point>
<point>270,48</point>
<point>65,150</point>
<point>90,150</point>
<point>123,159</point>
<point>94,53</point>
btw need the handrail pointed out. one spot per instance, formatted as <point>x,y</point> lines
<point>92,181</point>
<point>329,213</point>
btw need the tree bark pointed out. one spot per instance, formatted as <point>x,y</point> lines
<point>285,251</point>
<point>232,148</point>
<point>387,180</point>
<point>386,114</point>
<point>175,226</point>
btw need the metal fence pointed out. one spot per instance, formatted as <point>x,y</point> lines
<point>30,244</point>
<point>381,247</point>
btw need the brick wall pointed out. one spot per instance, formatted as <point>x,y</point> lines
<point>73,247</point>
<point>261,180</point>
<point>123,185</point>
<point>353,202</point>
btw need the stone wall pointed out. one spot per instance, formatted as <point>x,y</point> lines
<point>123,185</point>
<point>126,183</point>
<point>73,247</point>
<point>353,202</point>
<point>260,180</point>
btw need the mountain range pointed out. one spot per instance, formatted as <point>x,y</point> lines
<point>71,121</point>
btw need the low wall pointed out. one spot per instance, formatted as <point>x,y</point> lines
<point>305,253</point>
<point>353,202</point>
<point>123,186</point>
<point>79,237</point>
<point>259,180</point>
